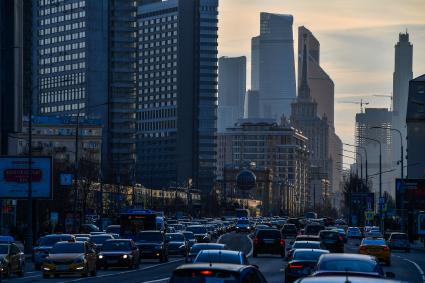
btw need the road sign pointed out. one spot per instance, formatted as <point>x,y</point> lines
<point>369,215</point>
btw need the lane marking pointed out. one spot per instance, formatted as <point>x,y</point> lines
<point>157,280</point>
<point>418,268</point>
<point>122,272</point>
<point>21,278</point>
<point>252,246</point>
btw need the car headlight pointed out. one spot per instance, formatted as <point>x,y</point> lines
<point>100,256</point>
<point>126,256</point>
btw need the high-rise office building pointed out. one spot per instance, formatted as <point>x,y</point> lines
<point>401,77</point>
<point>177,100</point>
<point>273,64</point>
<point>231,91</point>
<point>321,85</point>
<point>85,64</point>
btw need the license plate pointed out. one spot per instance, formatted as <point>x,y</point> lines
<point>112,261</point>
<point>62,267</point>
<point>268,241</point>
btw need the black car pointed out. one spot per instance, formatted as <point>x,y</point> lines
<point>313,229</point>
<point>200,232</point>
<point>196,248</point>
<point>289,231</point>
<point>268,241</point>
<point>303,245</point>
<point>118,253</point>
<point>152,245</point>
<point>302,263</point>
<point>177,244</point>
<point>332,241</point>
<point>98,240</point>
<point>217,272</point>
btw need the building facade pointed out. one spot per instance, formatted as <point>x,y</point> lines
<point>281,149</point>
<point>273,64</point>
<point>231,91</point>
<point>84,63</point>
<point>415,121</point>
<point>177,99</point>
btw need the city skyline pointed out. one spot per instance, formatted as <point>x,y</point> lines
<point>347,39</point>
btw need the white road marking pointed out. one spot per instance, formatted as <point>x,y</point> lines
<point>122,272</point>
<point>418,268</point>
<point>252,246</point>
<point>155,281</point>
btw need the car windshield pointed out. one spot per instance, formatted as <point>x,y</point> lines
<point>269,234</point>
<point>217,257</point>
<point>289,227</point>
<point>348,265</point>
<point>313,229</point>
<point>50,241</point>
<point>189,235</point>
<point>68,248</point>
<point>174,237</point>
<point>370,242</point>
<point>150,237</point>
<point>398,237</point>
<point>116,246</point>
<point>197,229</point>
<point>307,255</point>
<point>310,245</point>
<point>99,240</point>
<point>328,235</point>
<point>197,248</point>
<point>243,221</point>
<point>4,249</point>
<point>204,276</point>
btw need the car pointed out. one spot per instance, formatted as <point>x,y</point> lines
<point>200,232</point>
<point>289,231</point>
<point>313,229</point>
<point>303,245</point>
<point>268,241</point>
<point>217,273</point>
<point>221,256</point>
<point>343,234</point>
<point>177,244</point>
<point>152,245</point>
<point>354,233</point>
<point>243,226</point>
<point>309,238</point>
<point>89,228</point>
<point>70,258</point>
<point>98,240</point>
<point>113,229</point>
<point>82,239</point>
<point>12,260</point>
<point>373,234</point>
<point>377,248</point>
<point>302,263</point>
<point>190,238</point>
<point>343,279</point>
<point>332,241</point>
<point>45,244</point>
<point>399,241</point>
<point>196,248</point>
<point>119,253</point>
<point>350,265</point>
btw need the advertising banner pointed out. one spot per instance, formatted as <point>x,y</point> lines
<point>15,176</point>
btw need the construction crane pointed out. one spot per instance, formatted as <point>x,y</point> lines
<point>361,103</point>
<point>390,96</point>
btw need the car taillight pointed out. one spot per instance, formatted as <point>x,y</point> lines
<point>256,241</point>
<point>282,242</point>
<point>296,265</point>
<point>206,272</point>
<point>386,249</point>
<point>363,248</point>
<point>340,238</point>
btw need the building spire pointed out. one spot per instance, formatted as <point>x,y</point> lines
<point>304,89</point>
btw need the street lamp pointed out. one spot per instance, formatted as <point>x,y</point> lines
<point>402,224</point>
<point>365,152</point>
<point>380,178</point>
<point>361,161</point>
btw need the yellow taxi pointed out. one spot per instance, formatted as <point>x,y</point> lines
<point>70,258</point>
<point>376,247</point>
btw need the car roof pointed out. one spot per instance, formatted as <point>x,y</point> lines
<point>58,235</point>
<point>209,244</point>
<point>119,240</point>
<point>222,252</point>
<point>334,256</point>
<point>307,242</point>
<point>213,266</point>
<point>341,279</point>
<point>312,250</point>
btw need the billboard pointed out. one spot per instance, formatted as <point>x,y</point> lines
<point>413,193</point>
<point>14,177</point>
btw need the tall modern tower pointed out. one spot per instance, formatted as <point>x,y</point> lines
<point>84,63</point>
<point>321,85</point>
<point>275,65</point>
<point>401,77</point>
<point>177,99</point>
<point>231,91</point>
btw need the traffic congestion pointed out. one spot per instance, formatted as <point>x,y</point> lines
<point>148,247</point>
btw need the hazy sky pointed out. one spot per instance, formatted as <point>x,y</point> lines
<point>356,37</point>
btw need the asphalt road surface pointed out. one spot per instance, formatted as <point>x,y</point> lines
<point>407,266</point>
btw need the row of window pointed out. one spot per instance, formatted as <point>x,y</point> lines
<point>161,134</point>
<point>155,75</point>
<point>62,18</point>
<point>62,38</point>
<point>62,80</point>
<point>62,48</point>
<point>62,28</point>
<point>60,7</point>
<point>158,20</point>
<point>158,104</point>
<point>62,58</point>
<point>157,97</point>
<point>62,95</point>
<point>61,108</point>
<point>158,125</point>
<point>63,68</point>
<point>156,29</point>
<point>159,114</point>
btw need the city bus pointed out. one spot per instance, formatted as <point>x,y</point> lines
<point>135,220</point>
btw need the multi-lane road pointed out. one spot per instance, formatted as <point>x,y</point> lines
<point>407,266</point>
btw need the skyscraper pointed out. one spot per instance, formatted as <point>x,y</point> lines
<point>85,64</point>
<point>255,63</point>
<point>231,90</point>
<point>275,65</point>
<point>321,85</point>
<point>177,120</point>
<point>401,77</point>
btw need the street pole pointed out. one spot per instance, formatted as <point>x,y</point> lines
<point>77,129</point>
<point>29,235</point>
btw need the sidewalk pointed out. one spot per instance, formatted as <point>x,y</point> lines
<point>417,246</point>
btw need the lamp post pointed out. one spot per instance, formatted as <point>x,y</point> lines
<point>380,178</point>
<point>365,152</point>
<point>402,223</point>
<point>361,162</point>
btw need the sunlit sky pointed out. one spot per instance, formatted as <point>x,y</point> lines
<point>356,37</point>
